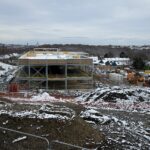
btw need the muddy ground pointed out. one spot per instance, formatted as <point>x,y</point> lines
<point>75,131</point>
<point>133,134</point>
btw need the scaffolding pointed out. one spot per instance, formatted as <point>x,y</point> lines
<point>55,70</point>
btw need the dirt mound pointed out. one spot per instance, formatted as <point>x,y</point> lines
<point>46,111</point>
<point>126,98</point>
<point>112,94</point>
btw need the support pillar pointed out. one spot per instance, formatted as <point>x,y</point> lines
<point>46,76</point>
<point>29,71</point>
<point>66,74</point>
<point>92,74</point>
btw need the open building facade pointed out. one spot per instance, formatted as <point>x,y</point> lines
<point>55,70</point>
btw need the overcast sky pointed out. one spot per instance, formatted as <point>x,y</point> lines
<point>117,22</point>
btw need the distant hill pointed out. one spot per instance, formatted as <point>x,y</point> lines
<point>100,50</point>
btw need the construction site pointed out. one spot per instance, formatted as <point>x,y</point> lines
<point>64,97</point>
<point>50,69</point>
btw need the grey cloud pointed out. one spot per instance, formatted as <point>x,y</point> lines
<point>81,21</point>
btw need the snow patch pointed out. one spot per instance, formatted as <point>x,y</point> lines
<point>42,97</point>
<point>48,111</point>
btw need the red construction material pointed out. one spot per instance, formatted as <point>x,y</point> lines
<point>13,87</point>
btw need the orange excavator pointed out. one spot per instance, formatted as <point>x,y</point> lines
<point>135,78</point>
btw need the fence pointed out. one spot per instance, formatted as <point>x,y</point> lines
<point>49,144</point>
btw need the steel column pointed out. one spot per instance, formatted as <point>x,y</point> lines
<point>66,75</point>
<point>46,76</point>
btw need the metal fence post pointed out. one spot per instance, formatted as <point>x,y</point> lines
<point>29,134</point>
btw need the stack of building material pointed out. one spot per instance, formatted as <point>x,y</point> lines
<point>116,77</point>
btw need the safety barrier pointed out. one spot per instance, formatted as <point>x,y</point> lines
<point>49,144</point>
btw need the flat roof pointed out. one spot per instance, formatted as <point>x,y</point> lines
<point>54,55</point>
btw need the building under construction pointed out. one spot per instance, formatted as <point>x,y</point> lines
<point>50,69</point>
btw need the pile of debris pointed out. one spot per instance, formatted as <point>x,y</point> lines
<point>7,72</point>
<point>125,132</point>
<point>126,98</point>
<point>46,111</point>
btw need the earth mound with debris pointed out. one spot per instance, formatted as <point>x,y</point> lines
<point>126,98</point>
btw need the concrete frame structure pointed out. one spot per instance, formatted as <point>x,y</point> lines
<point>75,68</point>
